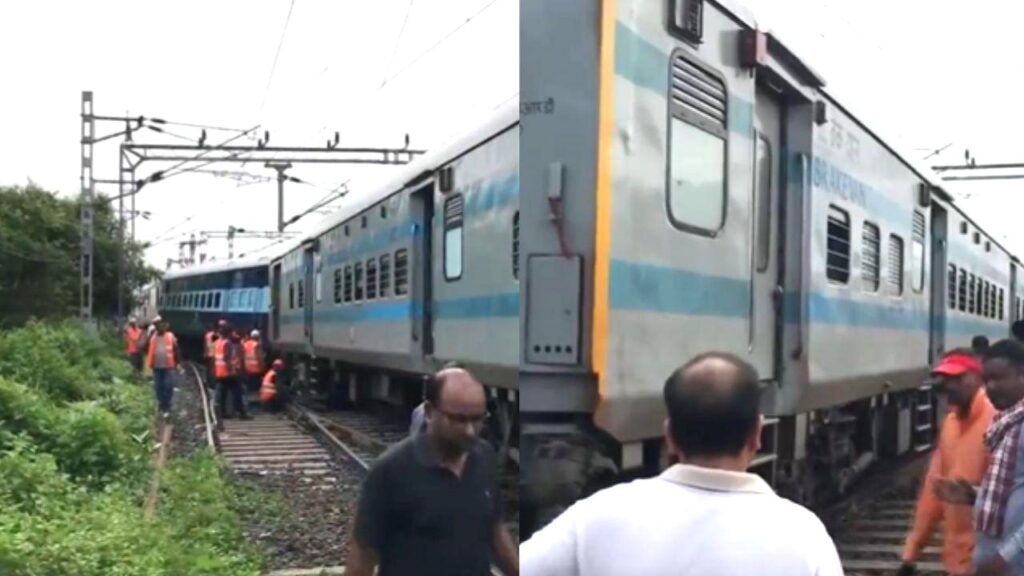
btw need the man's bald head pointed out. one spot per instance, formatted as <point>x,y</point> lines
<point>454,381</point>
<point>713,405</point>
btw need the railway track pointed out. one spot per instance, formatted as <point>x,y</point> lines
<point>871,527</point>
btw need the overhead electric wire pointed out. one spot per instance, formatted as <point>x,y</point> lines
<point>398,41</point>
<point>273,67</point>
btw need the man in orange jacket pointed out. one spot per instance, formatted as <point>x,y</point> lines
<point>960,459</point>
<point>132,337</point>
<point>272,395</point>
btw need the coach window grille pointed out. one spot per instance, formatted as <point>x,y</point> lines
<point>337,285</point>
<point>951,281</point>
<point>301,294</point>
<point>698,135</point>
<point>979,297</point>
<point>917,253</point>
<point>972,295</point>
<point>401,272</point>
<point>358,271</point>
<point>385,275</point>
<point>348,284</point>
<point>291,296</point>
<point>454,209</point>
<point>895,265</point>
<point>837,262</point>
<point>371,279</point>
<point>515,245</point>
<point>1002,303</point>
<point>962,300</point>
<point>990,300</point>
<point>869,257</point>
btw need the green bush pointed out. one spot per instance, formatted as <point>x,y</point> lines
<point>75,447</point>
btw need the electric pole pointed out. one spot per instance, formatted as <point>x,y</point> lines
<point>280,167</point>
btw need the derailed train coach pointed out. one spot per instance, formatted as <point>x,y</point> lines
<point>409,276</point>
<point>699,189</point>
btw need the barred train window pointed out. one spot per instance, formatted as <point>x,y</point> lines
<point>917,253</point>
<point>837,261</point>
<point>291,296</point>
<point>972,295</point>
<point>963,291</point>
<point>869,257</point>
<point>301,294</point>
<point>515,245</point>
<point>348,283</point>
<point>951,281</point>
<point>895,279</point>
<point>337,285</point>
<point>453,216</point>
<point>401,272</point>
<point>1002,303</point>
<point>385,275</point>
<point>371,279</point>
<point>696,148</point>
<point>359,280</point>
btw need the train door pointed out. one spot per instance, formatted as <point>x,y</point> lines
<point>423,289</point>
<point>275,302</point>
<point>310,259</point>
<point>939,278</point>
<point>765,289</point>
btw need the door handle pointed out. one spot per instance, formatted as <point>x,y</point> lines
<point>777,295</point>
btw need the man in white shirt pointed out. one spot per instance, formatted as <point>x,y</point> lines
<point>705,516</point>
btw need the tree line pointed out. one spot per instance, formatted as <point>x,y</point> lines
<point>40,257</point>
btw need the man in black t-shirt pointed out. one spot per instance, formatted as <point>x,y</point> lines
<point>431,504</point>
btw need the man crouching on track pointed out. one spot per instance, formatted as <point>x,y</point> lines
<point>704,516</point>
<point>431,504</point>
<point>961,458</point>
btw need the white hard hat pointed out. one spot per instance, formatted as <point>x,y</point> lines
<point>157,319</point>
<point>131,319</point>
<point>255,334</point>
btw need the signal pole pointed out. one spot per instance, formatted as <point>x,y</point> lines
<point>86,197</point>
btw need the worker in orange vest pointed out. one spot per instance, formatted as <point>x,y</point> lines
<point>132,336</point>
<point>209,339</point>
<point>162,359</point>
<point>272,395</point>
<point>228,366</point>
<point>254,360</point>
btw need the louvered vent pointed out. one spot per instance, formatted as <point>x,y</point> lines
<point>453,209</point>
<point>869,257</point>
<point>698,93</point>
<point>837,265</point>
<point>918,226</point>
<point>895,278</point>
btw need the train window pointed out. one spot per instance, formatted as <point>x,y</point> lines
<point>972,295</point>
<point>978,287</point>
<point>895,279</point>
<point>977,237</point>
<point>951,287</point>
<point>371,279</point>
<point>318,286</point>
<point>291,296</point>
<point>337,285</point>
<point>301,294</point>
<point>383,211</point>
<point>917,253</point>
<point>986,299</point>
<point>869,257</point>
<point>453,216</point>
<point>385,275</point>
<point>515,245</point>
<point>348,284</point>
<point>401,272</point>
<point>963,227</point>
<point>1002,303</point>
<point>837,260</point>
<point>358,275</point>
<point>763,180</point>
<point>696,148</point>
<point>217,301</point>
<point>962,300</point>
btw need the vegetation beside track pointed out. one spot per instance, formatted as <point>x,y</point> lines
<point>76,441</point>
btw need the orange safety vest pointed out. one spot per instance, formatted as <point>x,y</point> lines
<point>131,336</point>
<point>208,349</point>
<point>168,346</point>
<point>269,387</point>
<point>220,365</point>
<point>253,365</point>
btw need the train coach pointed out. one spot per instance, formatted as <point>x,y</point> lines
<point>699,189</point>
<point>413,274</point>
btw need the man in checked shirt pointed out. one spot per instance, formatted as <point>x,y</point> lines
<point>999,502</point>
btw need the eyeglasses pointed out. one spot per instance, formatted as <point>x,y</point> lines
<point>474,419</point>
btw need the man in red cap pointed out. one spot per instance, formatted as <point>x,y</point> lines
<point>958,464</point>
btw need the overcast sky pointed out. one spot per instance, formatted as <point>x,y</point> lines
<point>364,68</point>
<point>926,74</point>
